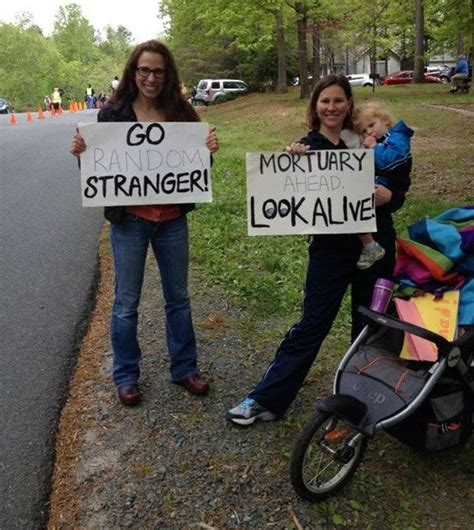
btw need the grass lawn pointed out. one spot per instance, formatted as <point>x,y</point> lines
<point>265,274</point>
<point>442,177</point>
<point>264,277</point>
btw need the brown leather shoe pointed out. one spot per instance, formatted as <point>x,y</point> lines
<point>195,385</point>
<point>129,395</point>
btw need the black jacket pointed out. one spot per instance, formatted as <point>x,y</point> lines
<point>120,113</point>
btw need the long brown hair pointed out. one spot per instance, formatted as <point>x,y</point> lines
<point>170,99</point>
<point>340,80</point>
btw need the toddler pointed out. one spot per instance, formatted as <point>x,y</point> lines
<point>391,144</point>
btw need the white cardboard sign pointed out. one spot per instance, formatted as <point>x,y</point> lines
<point>321,192</point>
<point>130,163</point>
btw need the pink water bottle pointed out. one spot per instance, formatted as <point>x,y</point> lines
<point>381,295</point>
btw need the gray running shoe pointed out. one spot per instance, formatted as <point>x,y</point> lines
<point>369,256</point>
<point>248,411</point>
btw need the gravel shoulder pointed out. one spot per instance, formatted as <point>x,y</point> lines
<point>174,462</point>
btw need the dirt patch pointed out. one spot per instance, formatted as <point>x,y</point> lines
<point>464,108</point>
<point>87,386</point>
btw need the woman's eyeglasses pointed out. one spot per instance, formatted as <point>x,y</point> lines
<point>144,71</point>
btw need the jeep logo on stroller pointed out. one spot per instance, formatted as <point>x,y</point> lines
<point>364,389</point>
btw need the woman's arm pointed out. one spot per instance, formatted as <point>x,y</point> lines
<point>393,198</point>
<point>211,141</point>
<point>382,195</point>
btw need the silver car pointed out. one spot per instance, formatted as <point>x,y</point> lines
<point>211,90</point>
<point>360,80</point>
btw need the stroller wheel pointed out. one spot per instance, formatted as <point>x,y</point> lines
<point>325,456</point>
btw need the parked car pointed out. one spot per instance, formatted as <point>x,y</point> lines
<point>443,71</point>
<point>406,76</point>
<point>211,90</point>
<point>360,80</point>
<point>5,106</point>
<point>296,80</point>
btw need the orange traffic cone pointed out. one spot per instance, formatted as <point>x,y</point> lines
<point>52,111</point>
<point>13,120</point>
<point>40,114</point>
<point>29,117</point>
<point>71,107</point>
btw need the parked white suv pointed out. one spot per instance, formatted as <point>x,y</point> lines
<point>360,80</point>
<point>210,90</point>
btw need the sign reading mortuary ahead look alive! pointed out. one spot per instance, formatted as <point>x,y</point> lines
<point>320,192</point>
<point>130,163</point>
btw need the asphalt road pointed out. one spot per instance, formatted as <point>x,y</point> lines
<point>48,265</point>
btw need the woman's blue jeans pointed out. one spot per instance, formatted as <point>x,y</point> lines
<point>169,241</point>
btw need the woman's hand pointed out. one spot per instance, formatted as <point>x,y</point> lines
<point>297,149</point>
<point>382,195</point>
<point>78,145</point>
<point>211,141</point>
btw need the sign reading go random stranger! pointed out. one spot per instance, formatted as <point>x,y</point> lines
<point>145,163</point>
<point>321,192</point>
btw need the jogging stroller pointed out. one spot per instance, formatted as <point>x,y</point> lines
<point>427,405</point>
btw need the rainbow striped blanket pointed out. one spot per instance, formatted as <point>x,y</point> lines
<point>438,254</point>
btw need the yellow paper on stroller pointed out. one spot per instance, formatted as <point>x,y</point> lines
<point>437,315</point>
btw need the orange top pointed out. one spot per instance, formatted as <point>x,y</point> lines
<point>156,213</point>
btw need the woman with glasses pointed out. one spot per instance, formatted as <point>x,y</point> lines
<point>149,91</point>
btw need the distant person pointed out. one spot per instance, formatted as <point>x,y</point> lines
<point>184,92</point>
<point>56,98</point>
<point>461,72</point>
<point>115,83</point>
<point>47,102</point>
<point>150,92</point>
<point>193,95</point>
<point>90,93</point>
<point>101,99</point>
<point>208,98</point>
<point>392,153</point>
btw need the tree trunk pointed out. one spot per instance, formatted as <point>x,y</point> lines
<point>471,29</point>
<point>419,73</point>
<point>317,52</point>
<point>373,66</point>
<point>460,43</point>
<point>282,85</point>
<point>301,19</point>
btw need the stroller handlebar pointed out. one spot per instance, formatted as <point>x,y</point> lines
<point>442,344</point>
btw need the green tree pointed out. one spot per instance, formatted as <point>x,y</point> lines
<point>250,30</point>
<point>74,36</point>
<point>117,43</point>
<point>450,25</point>
<point>29,65</point>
